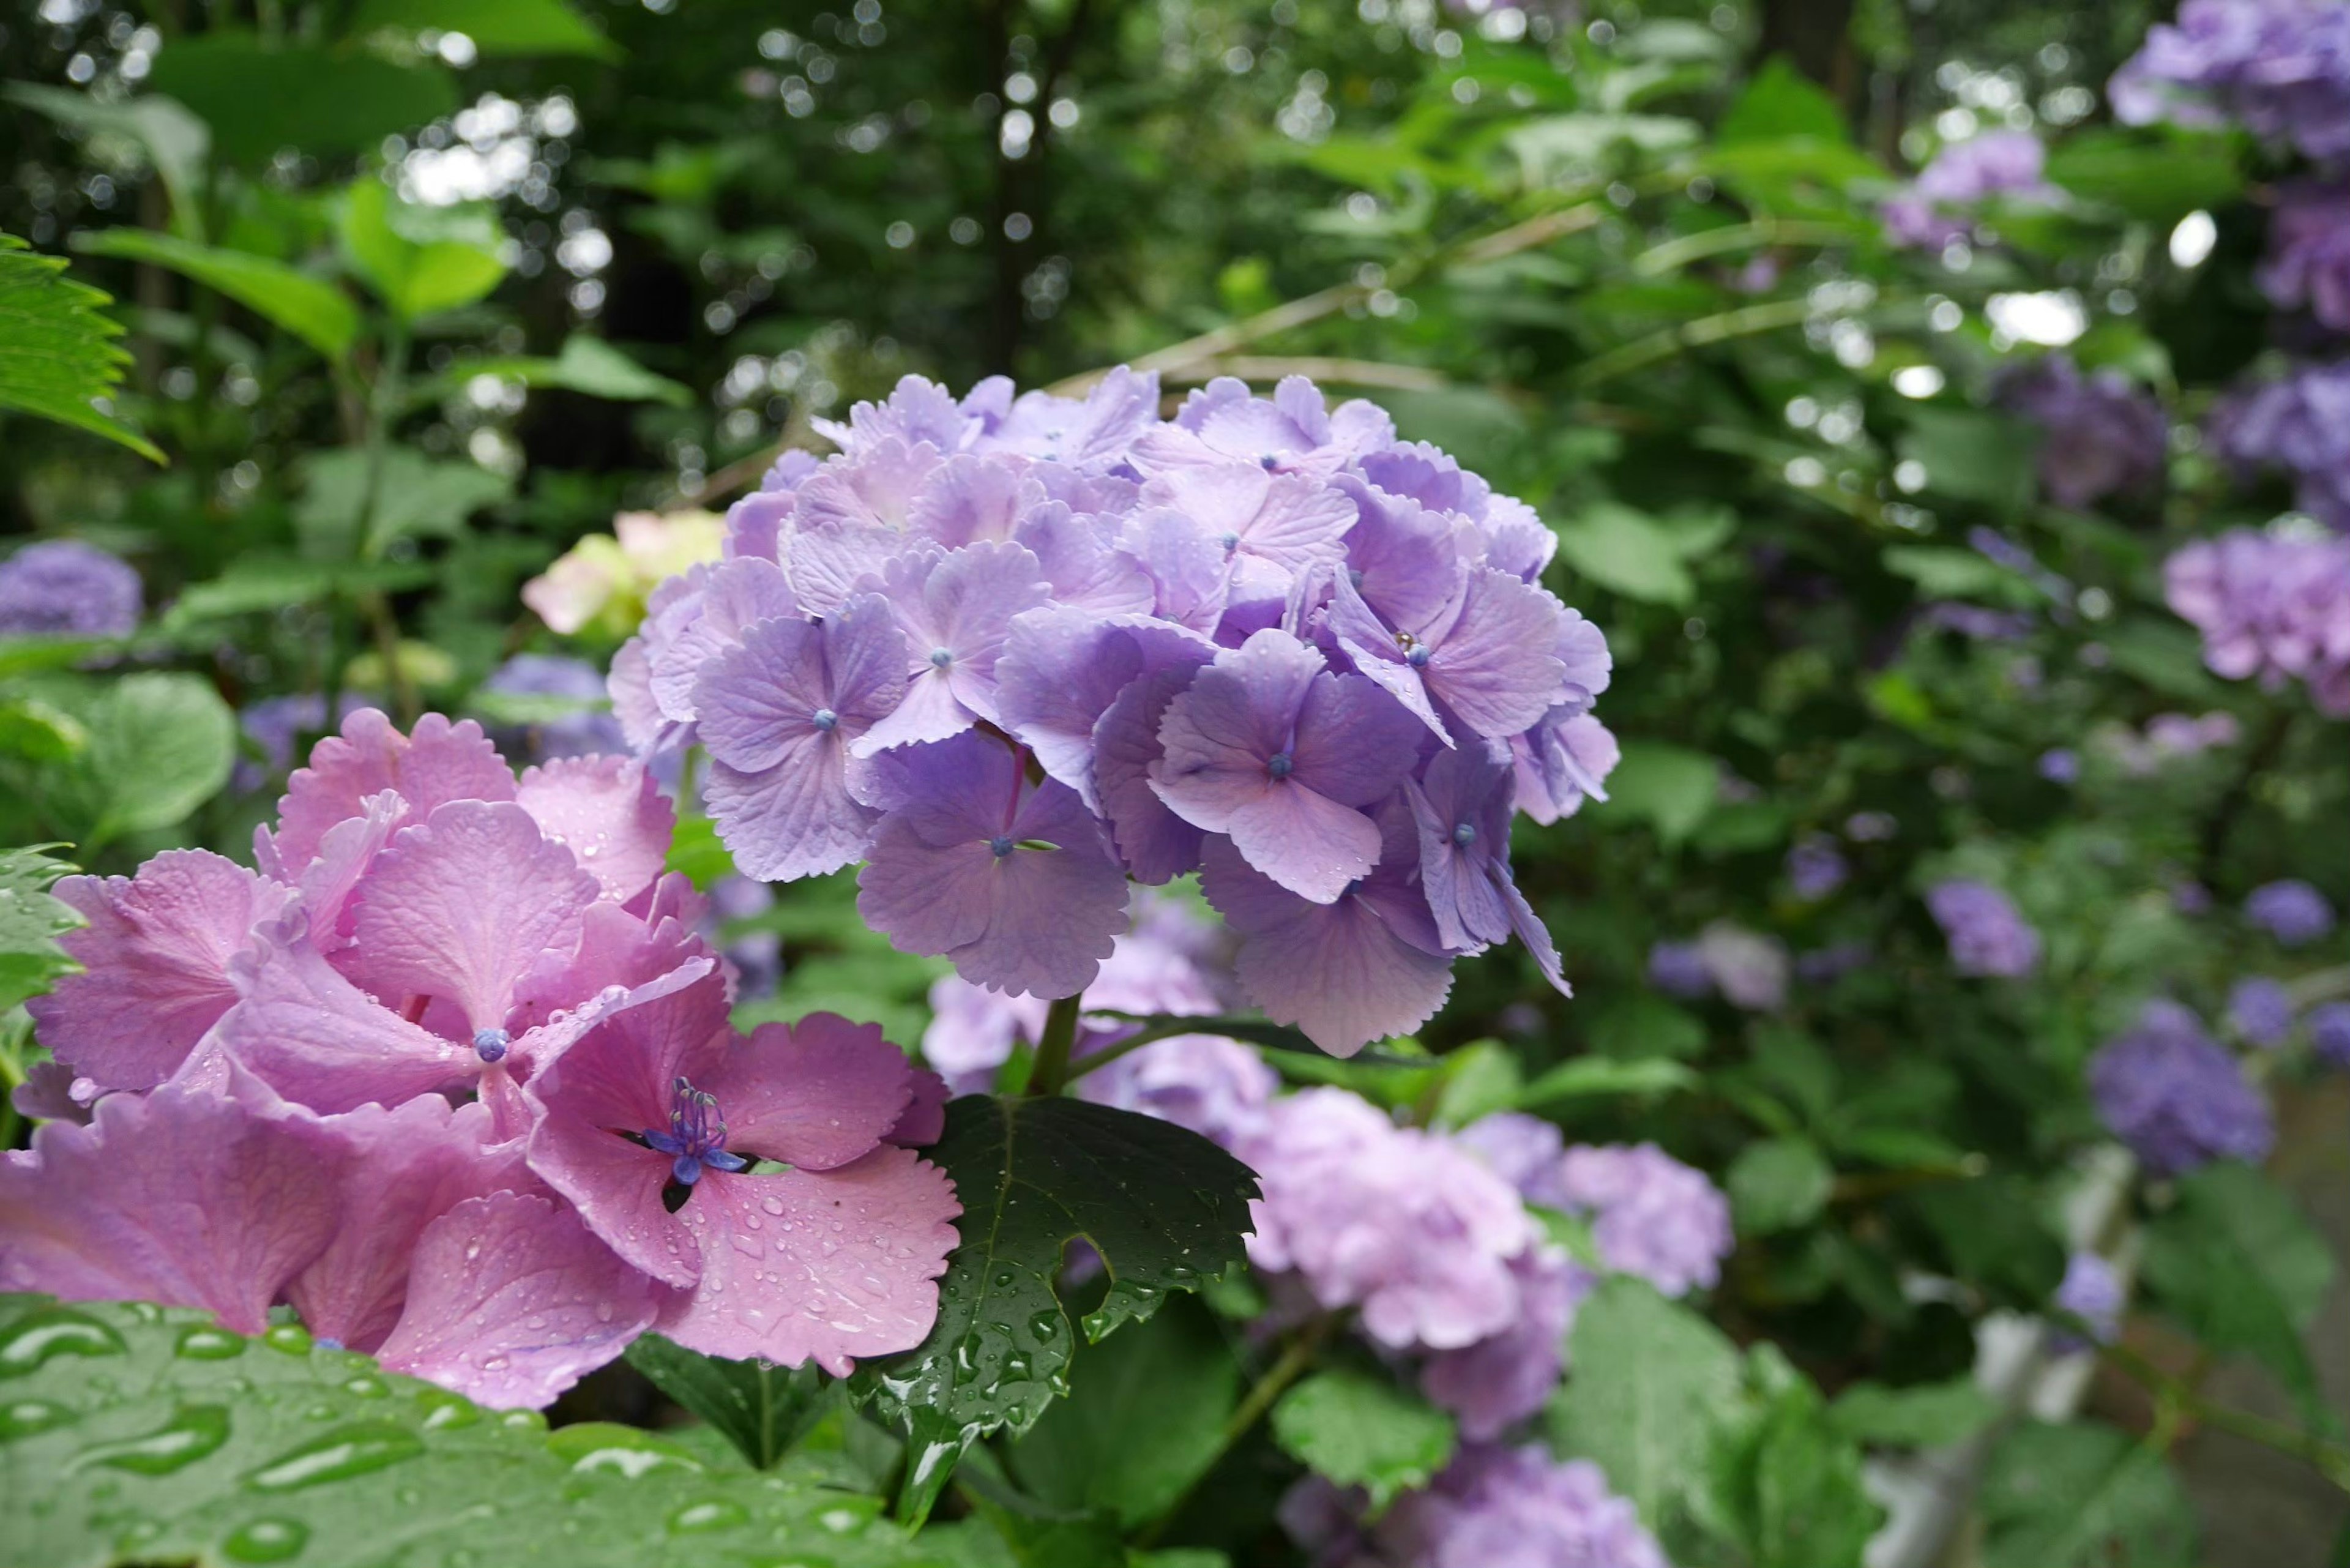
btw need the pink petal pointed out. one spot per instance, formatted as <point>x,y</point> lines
<point>155,958</point>
<point>824,1266</point>
<point>177,1196</point>
<point>924,1120</point>
<point>512,1300</point>
<point>1338,971</point>
<point>345,854</point>
<point>461,906</point>
<point>607,812</point>
<point>815,1094</point>
<point>441,762</point>
<point>320,1041</point>
<point>408,1167</point>
<point>630,683</point>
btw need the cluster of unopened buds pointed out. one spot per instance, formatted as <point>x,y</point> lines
<point>1012,652</point>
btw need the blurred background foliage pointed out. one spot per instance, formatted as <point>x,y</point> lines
<point>417,295</point>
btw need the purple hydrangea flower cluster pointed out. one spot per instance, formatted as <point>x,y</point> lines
<point>2101,433</point>
<point>2291,910</point>
<point>1493,1507</point>
<point>1816,867</point>
<point>1434,1251</point>
<point>451,1074</point>
<point>2329,1033</point>
<point>580,721</point>
<point>2167,1090</point>
<point>2299,422</point>
<point>2260,1010</point>
<point>1010,652</point>
<point>2279,67</point>
<point>63,587</point>
<point>1651,1216</point>
<point>1936,208</point>
<point>1748,969</point>
<point>1987,935</point>
<point>2308,263</point>
<point>2092,1291</point>
<point>2270,607</point>
<point>1217,1088</point>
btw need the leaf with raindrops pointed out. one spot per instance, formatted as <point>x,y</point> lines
<point>131,1433</point>
<point>1164,1208</point>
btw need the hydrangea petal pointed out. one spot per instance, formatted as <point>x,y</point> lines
<point>824,1266</point>
<point>1157,845</point>
<point>437,763</point>
<point>816,1095</point>
<point>462,905</point>
<point>179,1196</point>
<point>155,957</point>
<point>608,813</point>
<point>512,1300</point>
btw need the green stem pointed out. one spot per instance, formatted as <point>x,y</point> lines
<point>1148,1034</point>
<point>1051,1073</point>
<point>1771,316</point>
<point>2330,1459</point>
<point>1296,1359</point>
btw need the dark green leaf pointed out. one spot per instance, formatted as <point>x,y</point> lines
<point>1995,1236</point>
<point>1144,1420</point>
<point>2083,1496</point>
<point>174,141</point>
<point>1777,1185</point>
<point>2158,178</point>
<point>1652,1378</point>
<point>1358,1429</point>
<point>260,98</point>
<point>414,497</point>
<point>58,359</point>
<point>274,582</point>
<point>1635,1024</point>
<point>762,1410</point>
<point>1164,1207</point>
<point>419,261</point>
<point>1600,1077</point>
<point>159,745</point>
<point>30,923</point>
<point>1970,454</point>
<point>1672,787</point>
<point>588,365</point>
<point>139,1434</point>
<point>315,311</point>
<point>1625,551</point>
<point>1780,103</point>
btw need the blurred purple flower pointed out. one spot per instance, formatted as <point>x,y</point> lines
<point>1497,1507</point>
<point>2260,1009</point>
<point>2100,434</point>
<point>1988,936</point>
<point>585,726</point>
<point>2293,912</point>
<point>2168,1091</point>
<point>1934,208</point>
<point>2309,251</point>
<point>2091,1291</point>
<point>1815,866</point>
<point>2279,67</point>
<point>1651,1215</point>
<point>63,587</point>
<point>2329,1033</point>
<point>2061,765</point>
<point>1677,968</point>
<point>2299,422</point>
<point>2271,607</point>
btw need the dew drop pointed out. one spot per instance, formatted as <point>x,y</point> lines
<point>28,1344</point>
<point>209,1345</point>
<point>698,1518</point>
<point>267,1540</point>
<point>360,1448</point>
<point>26,1417</point>
<point>290,1337</point>
<point>193,1432</point>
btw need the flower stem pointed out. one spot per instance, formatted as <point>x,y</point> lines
<point>2182,1401</point>
<point>1296,1359</point>
<point>1051,1073</point>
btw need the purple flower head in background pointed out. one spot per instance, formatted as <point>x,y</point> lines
<point>2295,913</point>
<point>1651,1215</point>
<point>2092,1291</point>
<point>2279,67</point>
<point>1935,207</point>
<point>1987,935</point>
<point>2295,423</point>
<point>1493,1507</point>
<point>2309,251</point>
<point>1678,968</point>
<point>1815,866</point>
<point>573,718</point>
<point>2260,1009</point>
<point>1243,641</point>
<point>2168,1091</point>
<point>2270,608</point>
<point>63,587</point>
<point>2329,1033</point>
<point>2059,765</point>
<point>2100,434</point>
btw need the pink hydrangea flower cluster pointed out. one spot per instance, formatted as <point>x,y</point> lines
<point>1010,652</point>
<point>451,1074</point>
<point>1434,1251</point>
<point>2269,605</point>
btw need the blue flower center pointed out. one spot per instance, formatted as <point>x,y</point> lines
<point>825,719</point>
<point>1231,542</point>
<point>490,1045</point>
<point>1280,766</point>
<point>1001,846</point>
<point>696,1139</point>
<point>1269,461</point>
<point>1466,835</point>
<point>942,657</point>
<point>1418,657</point>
